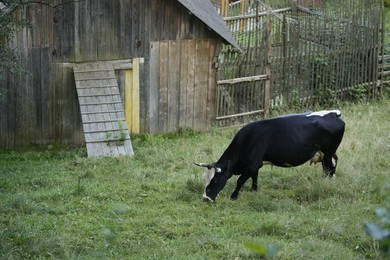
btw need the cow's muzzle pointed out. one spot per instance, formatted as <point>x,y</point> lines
<point>207,199</point>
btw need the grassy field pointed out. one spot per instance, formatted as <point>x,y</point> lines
<point>56,203</point>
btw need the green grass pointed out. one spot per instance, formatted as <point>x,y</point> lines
<point>56,203</point>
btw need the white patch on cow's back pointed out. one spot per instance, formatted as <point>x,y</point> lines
<point>324,113</point>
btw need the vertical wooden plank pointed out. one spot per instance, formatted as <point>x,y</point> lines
<point>91,25</point>
<point>4,103</point>
<point>211,88</point>
<point>35,115</point>
<point>156,20</point>
<point>128,98</point>
<point>20,107</point>
<point>78,45</point>
<point>135,30</point>
<point>163,87</point>
<point>201,77</point>
<point>101,29</point>
<point>144,89</point>
<point>135,96</point>
<point>57,102</point>
<point>132,101</point>
<point>116,29</point>
<point>173,85</point>
<point>184,77</point>
<point>68,98</point>
<point>67,32</point>
<point>154,77</point>
<point>146,24</point>
<point>46,83</point>
<point>190,85</point>
<point>267,90</point>
<point>11,115</point>
<point>142,25</point>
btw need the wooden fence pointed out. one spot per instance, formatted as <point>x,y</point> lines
<point>316,52</point>
<point>384,65</point>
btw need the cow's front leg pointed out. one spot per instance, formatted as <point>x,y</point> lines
<point>240,182</point>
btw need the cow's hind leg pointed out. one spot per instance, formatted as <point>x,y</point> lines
<point>329,163</point>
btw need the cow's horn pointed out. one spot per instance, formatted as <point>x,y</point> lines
<point>202,164</point>
<point>208,166</point>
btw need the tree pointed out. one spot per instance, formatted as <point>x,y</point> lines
<point>9,24</point>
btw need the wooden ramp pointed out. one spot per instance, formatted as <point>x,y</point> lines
<point>102,113</point>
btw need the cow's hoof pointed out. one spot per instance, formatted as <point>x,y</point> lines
<point>234,197</point>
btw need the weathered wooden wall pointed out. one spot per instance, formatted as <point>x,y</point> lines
<point>40,105</point>
<point>182,84</point>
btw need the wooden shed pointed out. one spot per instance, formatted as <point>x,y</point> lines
<point>164,55</point>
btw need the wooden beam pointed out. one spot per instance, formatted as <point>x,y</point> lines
<point>135,122</point>
<point>241,114</point>
<point>116,64</point>
<point>128,98</point>
<point>240,17</point>
<point>243,79</point>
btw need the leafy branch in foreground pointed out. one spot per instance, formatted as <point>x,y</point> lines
<point>379,233</point>
<point>9,25</point>
<point>267,252</point>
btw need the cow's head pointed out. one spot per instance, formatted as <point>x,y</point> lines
<point>214,177</point>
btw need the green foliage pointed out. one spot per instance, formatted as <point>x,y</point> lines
<point>380,233</point>
<point>387,3</point>
<point>9,24</point>
<point>269,251</point>
<point>117,138</point>
<point>323,80</point>
<point>358,93</point>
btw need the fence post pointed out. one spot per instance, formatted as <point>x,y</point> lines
<point>267,89</point>
<point>224,8</point>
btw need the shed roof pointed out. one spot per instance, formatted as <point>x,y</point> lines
<point>206,12</point>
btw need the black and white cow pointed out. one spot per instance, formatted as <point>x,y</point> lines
<point>284,141</point>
